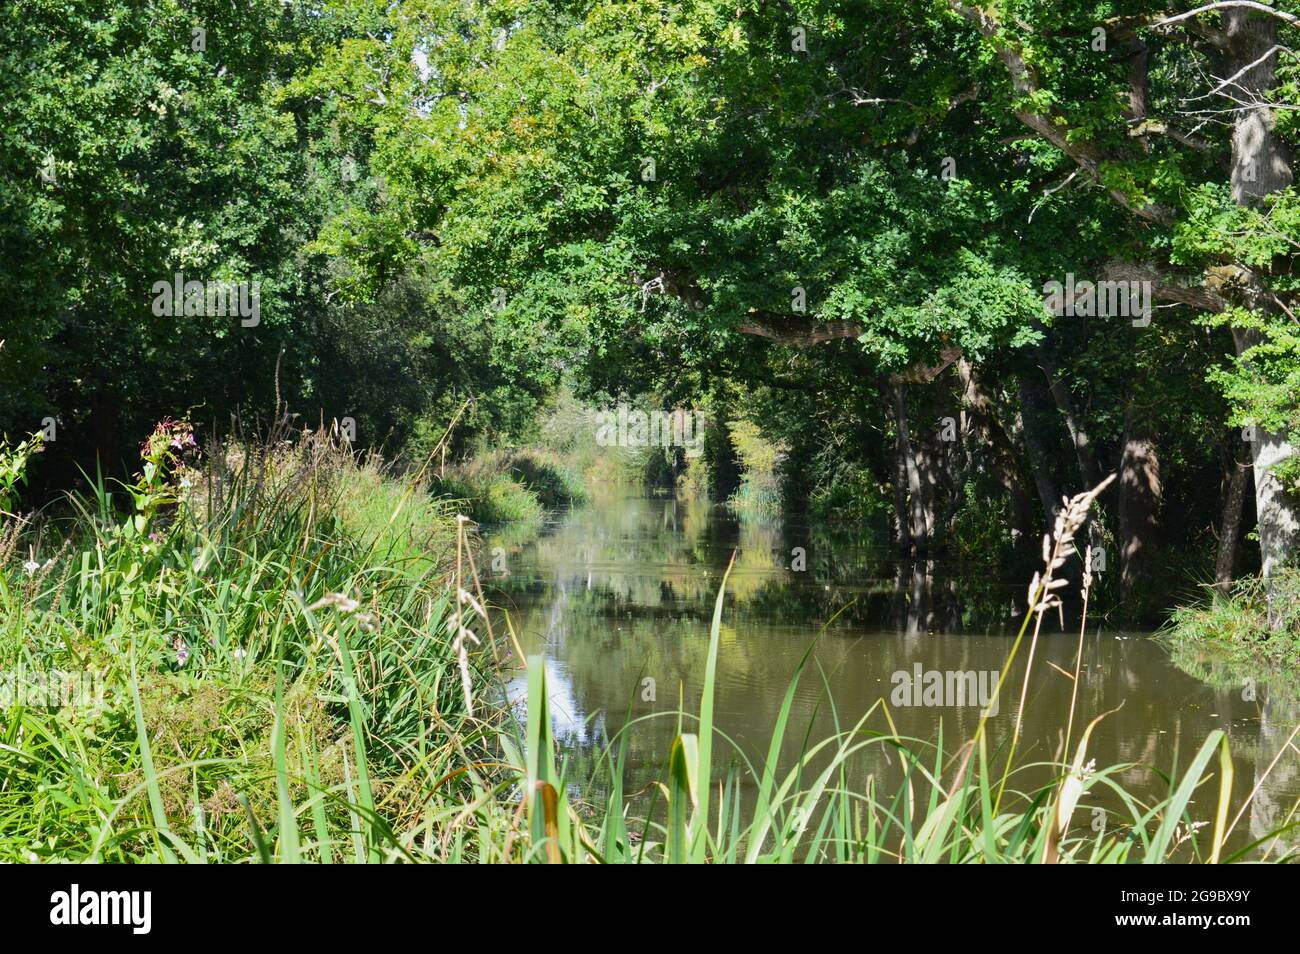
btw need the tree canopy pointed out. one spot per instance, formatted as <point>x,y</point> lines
<point>842,218</point>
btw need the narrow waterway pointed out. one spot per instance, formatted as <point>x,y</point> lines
<point>617,596</point>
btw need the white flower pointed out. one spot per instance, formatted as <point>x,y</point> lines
<point>31,566</point>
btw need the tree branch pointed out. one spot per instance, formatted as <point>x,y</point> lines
<point>1051,126</point>
<point>797,331</point>
<point>1201,297</point>
<point>1161,128</point>
<point>925,373</point>
<point>1225,4</point>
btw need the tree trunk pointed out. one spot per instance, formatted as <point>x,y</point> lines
<point>1000,454</point>
<point>1277,512</point>
<point>902,457</point>
<point>1230,525</point>
<point>1037,453</point>
<point>1089,472</point>
<point>1261,165</point>
<point>1140,497</point>
<point>921,486</point>
<point>1275,509</point>
<point>917,465</point>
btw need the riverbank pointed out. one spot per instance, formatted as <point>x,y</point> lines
<point>236,656</point>
<point>1237,624</point>
<point>282,653</point>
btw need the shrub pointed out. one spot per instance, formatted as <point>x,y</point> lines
<point>1239,621</point>
<point>490,499</point>
<point>759,494</point>
<point>554,483</point>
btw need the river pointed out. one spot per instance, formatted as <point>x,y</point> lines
<point>617,596</point>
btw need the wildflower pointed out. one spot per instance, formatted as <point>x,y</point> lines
<point>182,651</point>
<point>31,566</point>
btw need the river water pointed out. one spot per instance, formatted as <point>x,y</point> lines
<point>617,596</point>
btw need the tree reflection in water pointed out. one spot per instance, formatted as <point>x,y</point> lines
<point>622,591</point>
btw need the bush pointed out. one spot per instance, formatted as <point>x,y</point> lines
<point>852,495</point>
<point>552,481</point>
<point>759,494</point>
<point>1239,621</point>
<point>695,479</point>
<point>490,499</point>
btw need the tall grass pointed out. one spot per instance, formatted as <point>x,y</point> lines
<point>1238,621</point>
<point>273,628</point>
<point>298,670</point>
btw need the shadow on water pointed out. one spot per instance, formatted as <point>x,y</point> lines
<point>618,597</point>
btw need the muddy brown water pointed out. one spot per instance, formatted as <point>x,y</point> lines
<point>616,596</point>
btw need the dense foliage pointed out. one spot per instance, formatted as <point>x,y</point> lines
<point>924,266</point>
<point>832,222</point>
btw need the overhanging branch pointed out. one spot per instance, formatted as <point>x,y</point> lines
<point>797,331</point>
<point>1165,287</point>
<point>1226,4</point>
<point>1052,125</point>
<point>925,373</point>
